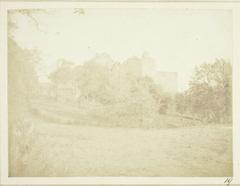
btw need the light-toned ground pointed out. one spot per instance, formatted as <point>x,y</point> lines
<point>71,150</point>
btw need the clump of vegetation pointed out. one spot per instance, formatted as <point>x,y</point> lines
<point>209,96</point>
<point>22,88</point>
<point>101,83</point>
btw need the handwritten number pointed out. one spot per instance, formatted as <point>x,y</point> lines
<point>228,181</point>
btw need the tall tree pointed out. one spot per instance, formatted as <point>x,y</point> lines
<point>210,92</point>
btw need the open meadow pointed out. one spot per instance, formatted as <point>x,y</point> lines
<point>58,149</point>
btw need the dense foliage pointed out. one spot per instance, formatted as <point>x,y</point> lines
<point>209,96</point>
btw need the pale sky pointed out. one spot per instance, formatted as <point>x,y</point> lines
<point>178,40</point>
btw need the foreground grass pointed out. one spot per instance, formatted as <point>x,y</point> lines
<point>73,150</point>
<point>64,140</point>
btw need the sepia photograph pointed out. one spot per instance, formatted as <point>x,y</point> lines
<point>120,92</point>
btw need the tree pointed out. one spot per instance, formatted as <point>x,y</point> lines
<point>22,87</point>
<point>210,92</point>
<point>22,77</point>
<point>181,102</point>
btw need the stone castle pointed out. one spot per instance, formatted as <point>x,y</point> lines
<point>168,81</point>
<point>137,66</point>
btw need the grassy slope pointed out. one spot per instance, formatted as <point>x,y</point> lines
<point>108,116</point>
<point>57,149</point>
<point>69,150</point>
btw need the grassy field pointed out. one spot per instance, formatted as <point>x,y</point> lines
<point>58,141</point>
<point>71,150</point>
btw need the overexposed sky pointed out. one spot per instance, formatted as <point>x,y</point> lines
<point>177,39</point>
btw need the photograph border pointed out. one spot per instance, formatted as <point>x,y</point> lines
<point>5,6</point>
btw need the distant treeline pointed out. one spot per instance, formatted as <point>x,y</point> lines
<point>209,97</point>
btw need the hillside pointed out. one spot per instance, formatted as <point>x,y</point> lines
<point>54,143</point>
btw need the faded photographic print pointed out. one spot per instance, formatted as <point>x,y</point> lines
<point>134,92</point>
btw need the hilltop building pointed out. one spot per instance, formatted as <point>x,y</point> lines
<point>146,66</point>
<point>66,87</point>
